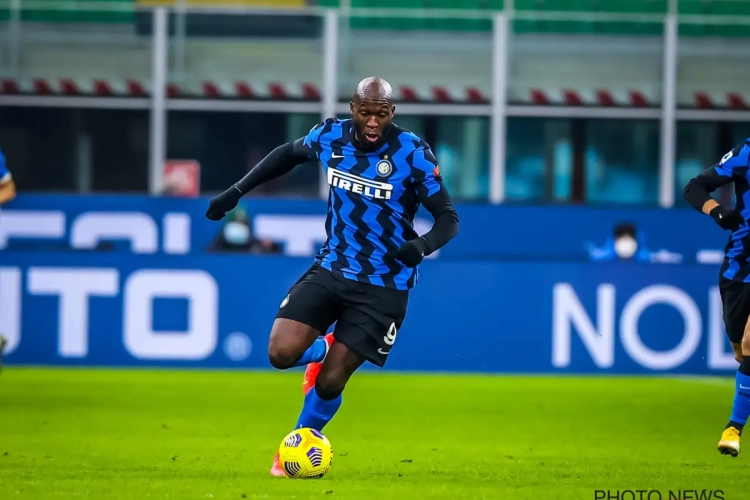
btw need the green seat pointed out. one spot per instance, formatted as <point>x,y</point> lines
<point>82,14</point>
<point>728,8</point>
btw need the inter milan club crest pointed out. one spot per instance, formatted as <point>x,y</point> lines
<point>384,167</point>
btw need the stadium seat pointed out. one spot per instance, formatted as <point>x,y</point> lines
<point>589,26</point>
<point>83,14</point>
<point>726,8</point>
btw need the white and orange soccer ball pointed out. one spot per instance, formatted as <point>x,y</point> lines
<point>305,454</point>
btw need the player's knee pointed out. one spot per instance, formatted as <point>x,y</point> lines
<point>329,385</point>
<point>281,357</point>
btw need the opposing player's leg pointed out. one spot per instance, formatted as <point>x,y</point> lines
<point>3,343</point>
<point>736,302</point>
<point>325,398</point>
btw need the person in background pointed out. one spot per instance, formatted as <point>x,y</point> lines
<point>625,244</point>
<point>236,236</point>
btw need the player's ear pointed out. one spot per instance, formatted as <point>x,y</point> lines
<point>351,107</point>
<point>393,110</point>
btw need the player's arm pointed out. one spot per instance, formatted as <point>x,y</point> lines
<point>7,190</point>
<point>434,197</point>
<point>7,186</point>
<point>698,190</point>
<point>278,162</point>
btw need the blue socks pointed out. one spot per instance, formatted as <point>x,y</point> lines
<point>314,354</point>
<point>316,412</point>
<point>741,407</point>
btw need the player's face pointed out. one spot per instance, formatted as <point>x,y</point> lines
<point>372,119</point>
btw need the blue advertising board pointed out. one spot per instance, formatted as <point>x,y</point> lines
<point>120,309</point>
<point>178,226</point>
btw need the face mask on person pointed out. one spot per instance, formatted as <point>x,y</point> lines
<point>625,246</point>
<point>236,233</point>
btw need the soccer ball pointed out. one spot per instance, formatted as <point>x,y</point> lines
<point>305,454</point>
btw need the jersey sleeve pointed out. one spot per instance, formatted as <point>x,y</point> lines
<point>434,197</point>
<point>735,162</point>
<point>426,171</point>
<point>733,165</point>
<point>4,172</point>
<point>311,143</point>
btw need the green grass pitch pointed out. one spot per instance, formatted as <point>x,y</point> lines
<point>151,434</point>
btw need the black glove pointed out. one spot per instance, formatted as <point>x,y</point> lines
<point>223,203</point>
<point>412,252</point>
<point>731,220</point>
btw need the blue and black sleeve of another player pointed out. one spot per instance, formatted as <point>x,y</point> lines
<point>4,172</point>
<point>433,195</point>
<point>732,166</point>
<point>283,159</point>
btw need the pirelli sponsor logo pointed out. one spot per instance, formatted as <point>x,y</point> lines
<point>359,185</point>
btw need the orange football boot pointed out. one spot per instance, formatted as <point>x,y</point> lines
<point>312,370</point>
<point>276,469</point>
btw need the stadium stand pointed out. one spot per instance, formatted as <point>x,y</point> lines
<point>97,11</point>
<point>552,61</point>
<point>728,8</point>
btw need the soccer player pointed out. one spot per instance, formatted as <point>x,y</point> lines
<point>7,193</point>
<point>734,276</point>
<point>7,187</point>
<point>379,174</point>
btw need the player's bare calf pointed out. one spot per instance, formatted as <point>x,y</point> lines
<point>340,364</point>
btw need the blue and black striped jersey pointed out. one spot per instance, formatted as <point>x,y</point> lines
<point>4,172</point>
<point>733,167</point>
<point>373,199</point>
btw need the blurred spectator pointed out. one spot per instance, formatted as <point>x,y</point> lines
<point>237,236</point>
<point>629,244</point>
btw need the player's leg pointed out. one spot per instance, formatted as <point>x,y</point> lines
<point>313,368</point>
<point>324,400</point>
<point>294,343</point>
<point>736,302</point>
<point>366,331</point>
<point>3,343</point>
<point>307,311</point>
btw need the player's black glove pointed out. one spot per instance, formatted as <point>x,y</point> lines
<point>223,203</point>
<point>412,252</point>
<point>731,220</point>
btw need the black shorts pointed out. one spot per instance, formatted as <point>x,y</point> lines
<point>367,317</point>
<point>735,301</point>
